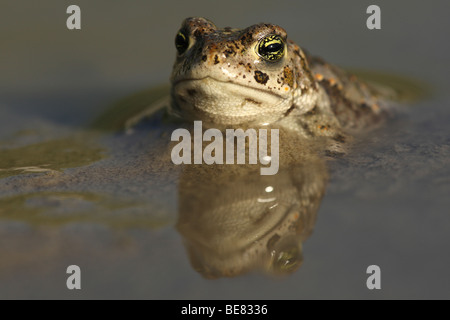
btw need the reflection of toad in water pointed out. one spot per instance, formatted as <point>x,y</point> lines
<point>234,220</point>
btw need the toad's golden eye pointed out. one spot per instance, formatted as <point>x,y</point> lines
<point>270,48</point>
<point>181,42</point>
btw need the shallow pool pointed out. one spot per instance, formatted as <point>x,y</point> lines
<point>138,227</point>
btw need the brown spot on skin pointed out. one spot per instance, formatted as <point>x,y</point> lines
<point>246,39</point>
<point>261,77</point>
<point>248,66</point>
<point>212,47</point>
<point>191,92</point>
<point>201,31</point>
<point>233,45</point>
<point>204,58</point>
<point>243,76</point>
<point>252,101</point>
<point>288,76</point>
<point>229,52</point>
<point>198,33</point>
<point>339,138</point>
<point>319,77</point>
<point>216,59</point>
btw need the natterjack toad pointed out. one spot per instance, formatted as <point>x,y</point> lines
<point>257,76</point>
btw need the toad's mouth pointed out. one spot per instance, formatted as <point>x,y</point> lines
<point>228,102</point>
<point>208,80</point>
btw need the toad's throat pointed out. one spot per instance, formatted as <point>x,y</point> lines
<point>228,102</point>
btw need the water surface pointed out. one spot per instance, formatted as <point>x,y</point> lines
<point>76,193</point>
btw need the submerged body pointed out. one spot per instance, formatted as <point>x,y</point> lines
<point>257,76</point>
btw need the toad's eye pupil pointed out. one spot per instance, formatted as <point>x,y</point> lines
<point>181,42</point>
<point>274,47</point>
<point>271,48</point>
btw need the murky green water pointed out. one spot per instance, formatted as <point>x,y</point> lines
<point>75,190</point>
